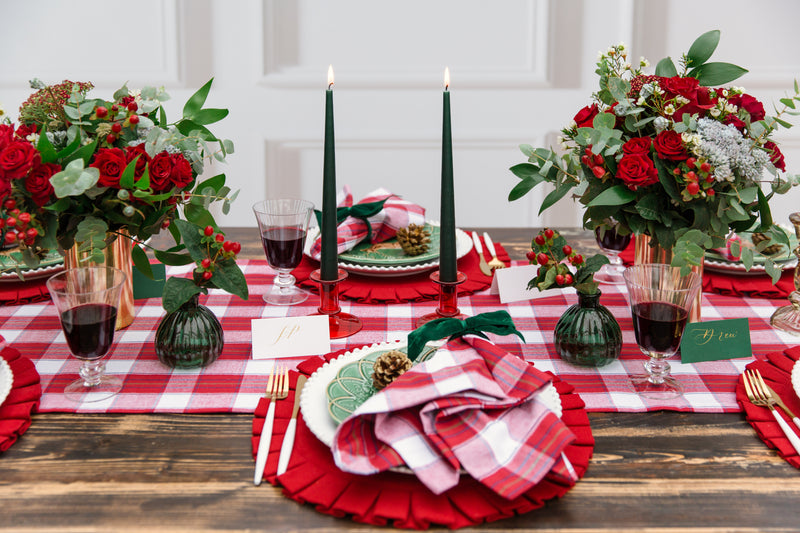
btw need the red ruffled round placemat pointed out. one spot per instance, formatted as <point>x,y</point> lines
<point>15,411</point>
<point>23,292</point>
<point>374,289</point>
<point>776,370</point>
<point>399,499</point>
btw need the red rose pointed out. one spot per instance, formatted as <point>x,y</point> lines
<point>130,154</point>
<point>585,116</point>
<point>160,170</point>
<point>686,87</point>
<point>636,171</point>
<point>38,182</point>
<point>669,145</point>
<point>17,158</point>
<point>775,155</point>
<point>111,164</point>
<point>637,146</point>
<point>181,175</point>
<point>749,104</point>
<point>24,130</point>
<point>6,135</point>
<point>736,121</point>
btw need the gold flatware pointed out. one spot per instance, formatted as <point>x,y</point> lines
<point>758,396</point>
<point>768,390</point>
<point>288,437</point>
<point>277,389</point>
<point>479,248</point>
<point>495,263</point>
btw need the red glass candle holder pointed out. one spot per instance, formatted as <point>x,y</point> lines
<point>448,299</point>
<point>341,324</point>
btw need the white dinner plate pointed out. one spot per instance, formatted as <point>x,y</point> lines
<point>6,380</point>
<point>314,398</point>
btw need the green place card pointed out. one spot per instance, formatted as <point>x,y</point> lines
<point>144,287</point>
<point>716,340</point>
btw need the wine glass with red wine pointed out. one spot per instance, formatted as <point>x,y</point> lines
<point>612,243</point>
<point>283,224</point>
<point>87,299</point>
<point>661,299</point>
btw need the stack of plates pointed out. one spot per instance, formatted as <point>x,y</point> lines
<point>785,259</point>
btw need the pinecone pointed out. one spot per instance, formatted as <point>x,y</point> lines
<point>388,367</point>
<point>769,250</point>
<point>414,239</point>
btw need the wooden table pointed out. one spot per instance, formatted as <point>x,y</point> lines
<point>661,471</point>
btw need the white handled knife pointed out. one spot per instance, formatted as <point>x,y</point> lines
<point>288,438</point>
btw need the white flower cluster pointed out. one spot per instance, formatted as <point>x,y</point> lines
<point>729,152</point>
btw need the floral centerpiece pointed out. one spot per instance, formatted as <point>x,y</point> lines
<point>82,171</point>
<point>672,155</point>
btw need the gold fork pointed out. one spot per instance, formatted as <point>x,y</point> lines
<point>769,392</point>
<point>754,387</point>
<point>495,263</point>
<point>277,389</point>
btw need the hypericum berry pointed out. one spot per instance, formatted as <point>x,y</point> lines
<point>24,217</point>
<point>599,172</point>
<point>577,259</point>
<point>220,238</point>
<point>560,279</point>
<point>710,192</point>
<point>227,246</point>
<point>705,167</point>
<point>586,161</point>
<point>32,233</point>
<point>690,162</point>
<point>207,275</point>
<point>165,224</point>
<point>100,111</point>
<point>11,237</point>
<point>11,221</point>
<point>132,106</point>
<point>111,138</point>
<point>128,211</point>
<point>531,256</point>
<point>567,249</point>
<point>710,179</point>
<point>134,119</point>
<point>10,204</point>
<point>237,247</point>
<point>676,171</point>
<point>548,233</point>
<point>598,159</point>
<point>691,176</point>
<point>116,127</point>
<point>205,263</point>
<point>208,231</point>
<point>539,239</point>
<point>567,278</point>
<point>693,188</point>
<point>542,259</point>
<point>114,108</point>
<point>2,223</point>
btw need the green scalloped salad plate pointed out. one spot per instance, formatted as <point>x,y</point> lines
<point>390,254</point>
<point>783,256</point>
<point>352,385</point>
<point>51,263</point>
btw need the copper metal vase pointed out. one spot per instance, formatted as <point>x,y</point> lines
<point>646,254</point>
<point>118,255</point>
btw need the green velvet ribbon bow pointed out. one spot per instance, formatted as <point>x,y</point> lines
<point>362,211</point>
<point>498,322</point>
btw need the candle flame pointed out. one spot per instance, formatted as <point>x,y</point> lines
<point>446,78</point>
<point>330,76</point>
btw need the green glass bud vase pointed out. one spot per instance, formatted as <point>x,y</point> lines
<point>587,334</point>
<point>190,337</point>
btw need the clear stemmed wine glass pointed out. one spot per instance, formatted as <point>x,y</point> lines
<point>661,299</point>
<point>283,224</point>
<point>612,243</point>
<point>87,299</point>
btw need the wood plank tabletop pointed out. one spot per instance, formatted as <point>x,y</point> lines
<point>659,471</point>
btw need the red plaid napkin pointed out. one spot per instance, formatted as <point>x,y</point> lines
<point>396,213</point>
<point>473,406</point>
<point>776,369</point>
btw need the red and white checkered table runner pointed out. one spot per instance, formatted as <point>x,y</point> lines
<point>236,381</point>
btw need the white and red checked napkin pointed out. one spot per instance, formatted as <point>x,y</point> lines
<point>474,407</point>
<point>396,213</point>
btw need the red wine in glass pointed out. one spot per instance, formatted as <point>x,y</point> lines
<point>659,326</point>
<point>283,246</point>
<point>89,329</point>
<point>612,243</point>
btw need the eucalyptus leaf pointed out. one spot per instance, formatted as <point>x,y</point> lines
<point>74,180</point>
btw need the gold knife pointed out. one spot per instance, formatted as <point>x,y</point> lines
<point>782,405</point>
<point>288,437</point>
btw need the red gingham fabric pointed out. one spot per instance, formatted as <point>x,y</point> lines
<point>396,213</point>
<point>235,382</point>
<point>445,414</point>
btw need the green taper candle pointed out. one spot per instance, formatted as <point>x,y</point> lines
<point>448,270</point>
<point>329,265</point>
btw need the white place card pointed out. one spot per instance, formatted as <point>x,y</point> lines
<point>290,337</point>
<point>512,285</point>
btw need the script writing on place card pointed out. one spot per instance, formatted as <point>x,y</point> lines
<point>290,337</point>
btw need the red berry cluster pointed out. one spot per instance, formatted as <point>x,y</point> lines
<point>698,176</point>
<point>16,225</point>
<point>128,117</point>
<point>595,162</point>
<point>218,249</point>
<point>543,253</point>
